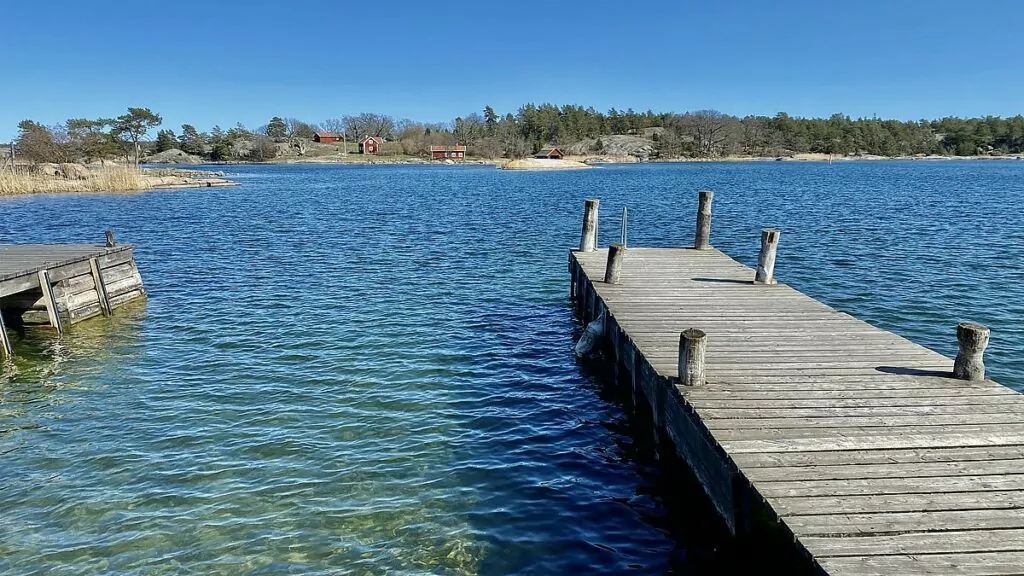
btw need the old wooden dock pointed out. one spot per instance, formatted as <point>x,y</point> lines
<point>57,285</point>
<point>859,445</point>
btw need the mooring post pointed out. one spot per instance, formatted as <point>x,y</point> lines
<point>703,239</point>
<point>110,238</point>
<point>692,346</point>
<point>766,259</point>
<point>613,269</point>
<point>970,360</point>
<point>588,240</point>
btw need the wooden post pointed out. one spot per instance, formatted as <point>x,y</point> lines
<point>766,259</point>
<point>613,269</point>
<point>692,346</point>
<point>101,288</point>
<point>703,239</point>
<point>49,301</point>
<point>588,240</point>
<point>970,361</point>
<point>110,238</point>
<point>6,351</point>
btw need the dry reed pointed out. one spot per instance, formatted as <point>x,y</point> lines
<point>103,180</point>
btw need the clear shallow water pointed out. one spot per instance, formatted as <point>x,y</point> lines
<point>369,369</point>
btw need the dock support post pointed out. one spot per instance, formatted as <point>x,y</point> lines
<point>703,238</point>
<point>101,288</point>
<point>6,351</point>
<point>110,238</point>
<point>693,344</point>
<point>613,270</point>
<point>588,239</point>
<point>766,259</point>
<point>970,360</point>
<point>49,301</point>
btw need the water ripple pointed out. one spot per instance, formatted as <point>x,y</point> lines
<point>369,370</point>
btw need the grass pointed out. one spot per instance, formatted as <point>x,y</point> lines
<point>104,180</point>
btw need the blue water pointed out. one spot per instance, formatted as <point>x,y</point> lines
<point>368,370</point>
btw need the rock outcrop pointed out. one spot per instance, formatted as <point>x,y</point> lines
<point>74,171</point>
<point>619,146</point>
<point>172,156</point>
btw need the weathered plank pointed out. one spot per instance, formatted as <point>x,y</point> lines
<point>896,522</point>
<point>888,485</point>
<point>1011,540</point>
<point>962,564</point>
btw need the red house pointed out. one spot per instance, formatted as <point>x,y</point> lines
<point>326,137</point>
<point>456,152</point>
<point>370,145</point>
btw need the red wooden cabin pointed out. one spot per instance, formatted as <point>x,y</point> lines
<point>456,152</point>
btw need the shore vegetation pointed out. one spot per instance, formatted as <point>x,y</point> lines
<point>117,179</point>
<point>581,132</point>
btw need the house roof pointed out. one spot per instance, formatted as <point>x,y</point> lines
<point>454,148</point>
<point>327,134</point>
<point>548,151</point>
<point>376,139</point>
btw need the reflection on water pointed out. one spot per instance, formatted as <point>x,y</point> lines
<point>369,369</point>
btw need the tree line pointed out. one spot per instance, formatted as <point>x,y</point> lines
<point>701,133</point>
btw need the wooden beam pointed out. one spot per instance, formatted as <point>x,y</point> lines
<point>5,341</point>
<point>50,302</point>
<point>101,289</point>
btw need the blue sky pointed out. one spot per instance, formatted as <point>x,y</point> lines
<point>227,61</point>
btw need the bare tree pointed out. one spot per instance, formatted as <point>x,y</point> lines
<point>709,129</point>
<point>369,124</point>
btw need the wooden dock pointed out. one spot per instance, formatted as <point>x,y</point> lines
<point>61,284</point>
<point>858,445</point>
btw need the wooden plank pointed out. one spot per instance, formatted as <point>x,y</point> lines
<point>901,470</point>
<point>101,290</point>
<point>966,564</point>
<point>936,439</point>
<point>69,271</point>
<point>887,456</point>
<point>6,350</point>
<point>896,522</point>
<point>120,299</point>
<point>861,421</point>
<point>19,284</point>
<point>133,282</point>
<point>918,543</point>
<point>51,303</point>
<point>723,394</point>
<point>889,485</point>
<point>118,272</point>
<point>823,436</point>
<point>869,503</point>
<point>785,412</point>
<point>914,397</point>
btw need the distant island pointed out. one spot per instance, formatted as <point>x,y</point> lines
<point>582,136</point>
